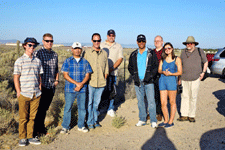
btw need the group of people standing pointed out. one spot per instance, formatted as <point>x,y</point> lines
<point>156,74</point>
<point>88,75</point>
<point>91,75</point>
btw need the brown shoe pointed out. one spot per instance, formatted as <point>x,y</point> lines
<point>148,117</point>
<point>182,118</point>
<point>159,117</point>
<point>191,119</point>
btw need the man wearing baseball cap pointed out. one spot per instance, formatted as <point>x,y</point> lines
<point>192,59</point>
<point>143,67</point>
<point>27,81</point>
<point>115,58</point>
<point>76,70</point>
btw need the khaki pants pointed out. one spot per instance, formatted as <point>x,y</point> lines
<point>189,97</point>
<point>27,111</point>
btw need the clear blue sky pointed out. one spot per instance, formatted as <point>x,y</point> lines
<point>72,20</point>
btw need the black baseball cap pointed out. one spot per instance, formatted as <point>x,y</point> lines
<point>141,37</point>
<point>111,31</point>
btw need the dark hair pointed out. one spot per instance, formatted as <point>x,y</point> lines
<point>24,45</point>
<point>47,35</point>
<point>164,55</point>
<point>95,35</point>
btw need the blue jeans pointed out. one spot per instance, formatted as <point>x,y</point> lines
<point>69,98</point>
<point>94,100</point>
<point>147,90</point>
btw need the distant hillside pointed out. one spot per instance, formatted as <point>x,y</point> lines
<point>84,44</point>
<point>8,41</point>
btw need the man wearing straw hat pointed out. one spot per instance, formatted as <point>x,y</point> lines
<point>192,60</point>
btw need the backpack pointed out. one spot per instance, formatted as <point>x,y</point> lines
<point>206,74</point>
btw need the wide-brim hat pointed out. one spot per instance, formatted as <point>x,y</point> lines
<point>31,40</point>
<point>190,39</point>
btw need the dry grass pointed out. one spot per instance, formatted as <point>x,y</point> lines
<point>118,122</point>
<point>50,137</point>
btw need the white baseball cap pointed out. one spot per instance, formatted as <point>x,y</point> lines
<point>76,45</point>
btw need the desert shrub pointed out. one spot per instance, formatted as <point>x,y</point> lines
<point>5,116</point>
<point>118,122</point>
<point>130,92</point>
<point>52,133</point>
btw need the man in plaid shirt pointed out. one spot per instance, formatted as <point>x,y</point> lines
<point>50,79</point>
<point>76,70</point>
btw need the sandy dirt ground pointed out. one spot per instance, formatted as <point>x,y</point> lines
<point>208,132</point>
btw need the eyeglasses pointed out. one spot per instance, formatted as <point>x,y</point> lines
<point>139,41</point>
<point>30,45</point>
<point>96,40</point>
<point>189,43</point>
<point>49,41</point>
<point>169,48</point>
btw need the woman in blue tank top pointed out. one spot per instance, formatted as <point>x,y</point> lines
<point>170,67</point>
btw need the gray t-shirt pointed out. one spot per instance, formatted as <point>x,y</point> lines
<point>192,64</point>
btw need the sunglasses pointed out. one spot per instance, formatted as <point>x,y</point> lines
<point>139,41</point>
<point>48,41</point>
<point>112,35</point>
<point>169,48</point>
<point>189,43</point>
<point>30,45</point>
<point>96,40</point>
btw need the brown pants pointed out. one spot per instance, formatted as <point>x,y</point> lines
<point>27,111</point>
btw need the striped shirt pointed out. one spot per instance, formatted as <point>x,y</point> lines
<point>49,61</point>
<point>77,71</point>
<point>29,70</point>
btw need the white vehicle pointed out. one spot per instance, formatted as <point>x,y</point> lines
<point>218,63</point>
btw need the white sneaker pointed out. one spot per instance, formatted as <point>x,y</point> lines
<point>140,123</point>
<point>83,129</point>
<point>154,125</point>
<point>64,131</point>
<point>111,113</point>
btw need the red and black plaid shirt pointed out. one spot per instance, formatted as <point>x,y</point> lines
<point>158,54</point>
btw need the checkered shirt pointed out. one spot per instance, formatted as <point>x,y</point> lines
<point>158,54</point>
<point>77,72</point>
<point>49,61</point>
<point>29,70</point>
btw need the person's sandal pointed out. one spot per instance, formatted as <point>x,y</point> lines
<point>182,118</point>
<point>191,119</point>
